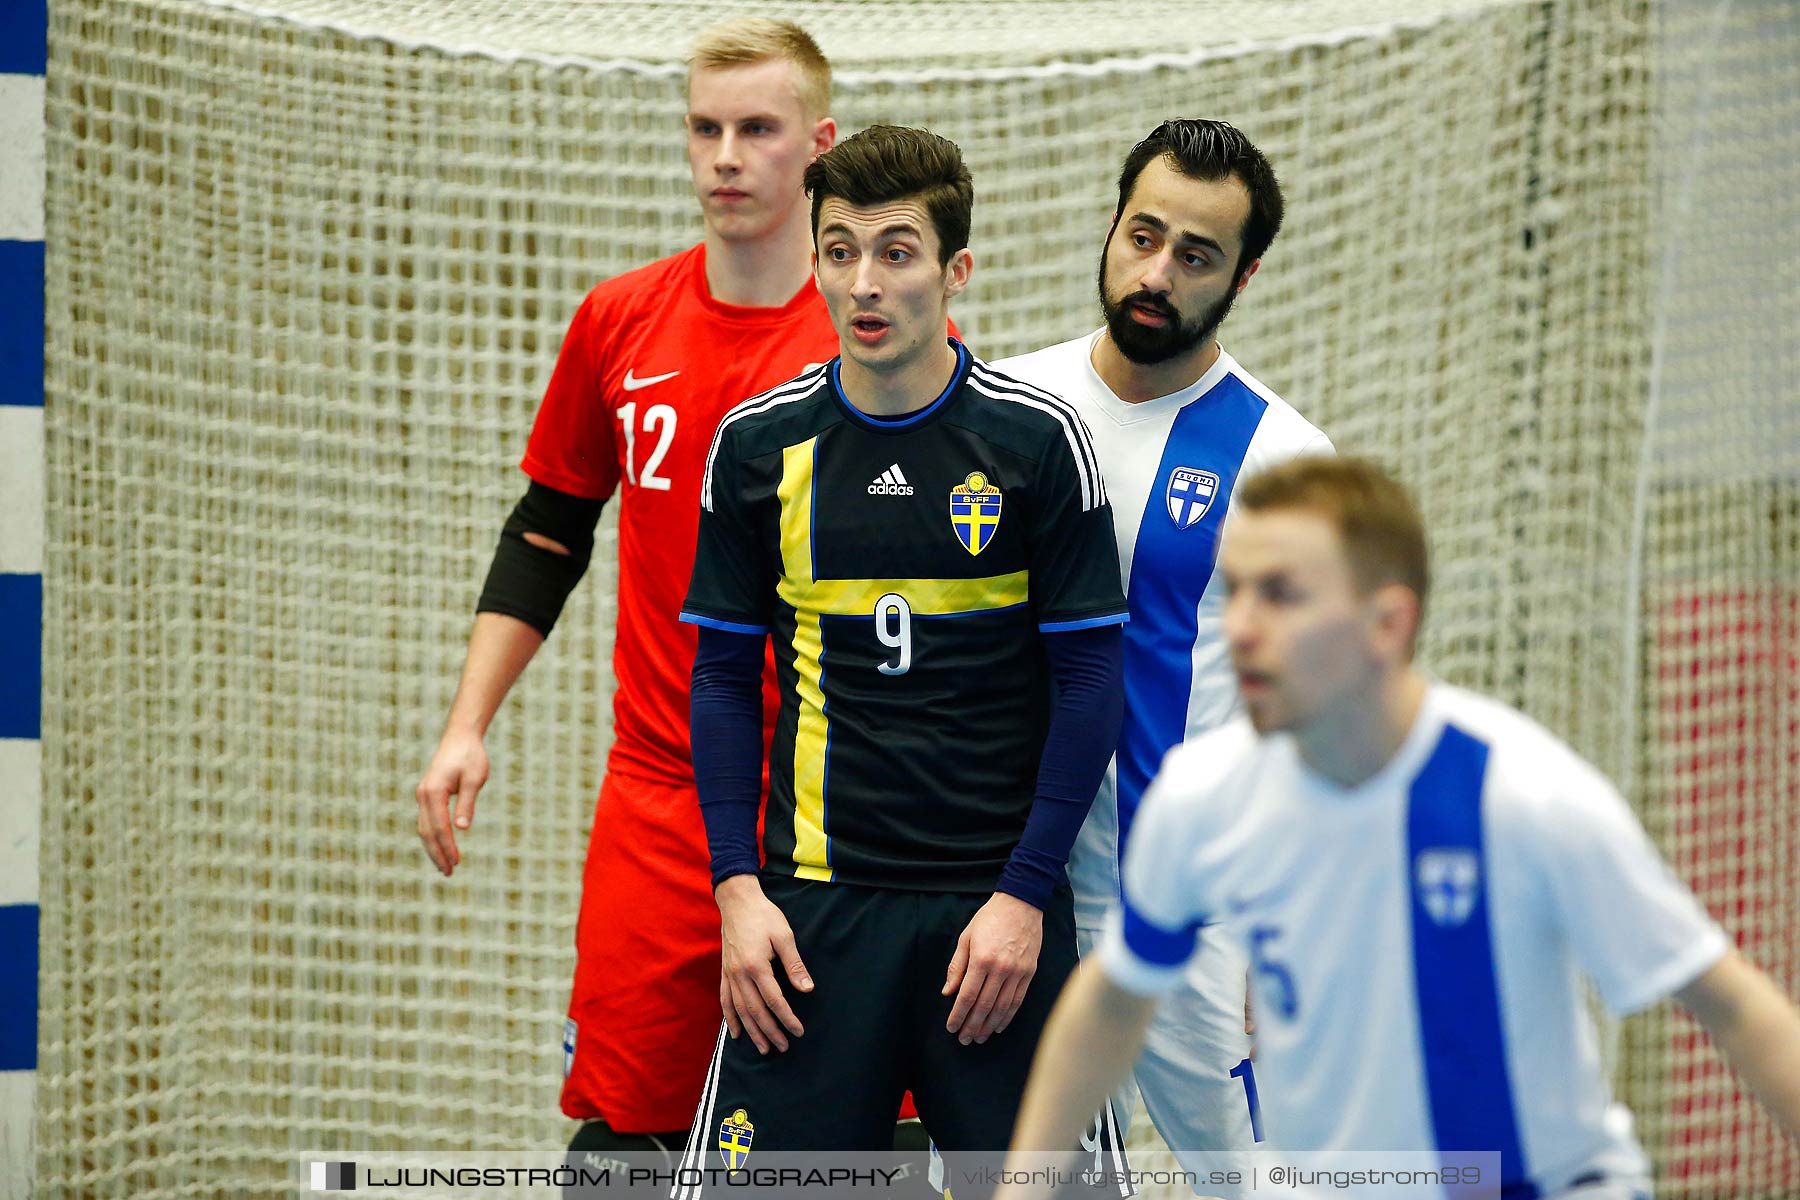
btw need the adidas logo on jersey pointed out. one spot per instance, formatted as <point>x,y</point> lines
<point>891,482</point>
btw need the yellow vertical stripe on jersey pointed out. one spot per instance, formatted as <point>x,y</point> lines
<point>811,845</point>
<point>796,496</point>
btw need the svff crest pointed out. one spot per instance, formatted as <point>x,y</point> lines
<point>975,512</point>
<point>735,1135</point>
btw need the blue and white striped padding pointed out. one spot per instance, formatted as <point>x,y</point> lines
<point>22,55</point>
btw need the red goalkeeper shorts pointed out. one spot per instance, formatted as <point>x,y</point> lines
<point>644,1011</point>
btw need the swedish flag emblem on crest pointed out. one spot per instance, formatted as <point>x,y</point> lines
<point>975,512</point>
<point>735,1135</point>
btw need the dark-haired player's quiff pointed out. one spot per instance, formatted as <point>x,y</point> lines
<point>885,163</point>
<point>1211,151</point>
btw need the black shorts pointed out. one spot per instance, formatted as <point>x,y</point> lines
<point>874,1026</point>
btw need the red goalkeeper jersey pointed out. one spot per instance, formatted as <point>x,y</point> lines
<point>650,365</point>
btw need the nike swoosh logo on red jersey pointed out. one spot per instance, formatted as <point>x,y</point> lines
<point>632,384</point>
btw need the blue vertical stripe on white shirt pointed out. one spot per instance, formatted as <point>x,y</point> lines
<point>1463,1044</point>
<point>1170,569</point>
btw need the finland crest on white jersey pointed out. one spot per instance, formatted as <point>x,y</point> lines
<point>1190,495</point>
<point>1170,466</point>
<point>1448,882</point>
<point>1416,943</point>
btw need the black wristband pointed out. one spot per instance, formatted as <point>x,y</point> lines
<point>528,581</point>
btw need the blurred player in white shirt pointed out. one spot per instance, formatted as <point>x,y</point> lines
<point>1176,423</point>
<point>1420,877</point>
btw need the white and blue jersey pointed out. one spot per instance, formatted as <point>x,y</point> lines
<point>1417,943</point>
<point>1171,465</point>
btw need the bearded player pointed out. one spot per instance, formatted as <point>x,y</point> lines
<point>1176,422</point>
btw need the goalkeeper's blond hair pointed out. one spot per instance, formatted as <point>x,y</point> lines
<point>748,40</point>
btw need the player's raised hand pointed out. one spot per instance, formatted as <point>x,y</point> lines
<point>446,794</point>
<point>753,933</point>
<point>995,958</point>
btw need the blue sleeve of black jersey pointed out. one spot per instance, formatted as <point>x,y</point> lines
<point>725,734</point>
<point>1088,667</point>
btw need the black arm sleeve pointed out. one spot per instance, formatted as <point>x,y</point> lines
<point>530,582</point>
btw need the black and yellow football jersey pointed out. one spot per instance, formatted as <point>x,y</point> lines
<point>906,569</point>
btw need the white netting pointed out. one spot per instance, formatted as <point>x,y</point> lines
<point>307,276</point>
<point>917,36</point>
<point>1716,563</point>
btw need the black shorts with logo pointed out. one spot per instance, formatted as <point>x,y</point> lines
<point>874,1025</point>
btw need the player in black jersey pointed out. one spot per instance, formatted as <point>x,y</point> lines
<point>929,544</point>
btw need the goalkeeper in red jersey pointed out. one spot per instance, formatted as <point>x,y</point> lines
<point>651,362</point>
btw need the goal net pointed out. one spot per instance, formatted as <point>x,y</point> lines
<point>309,265</point>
